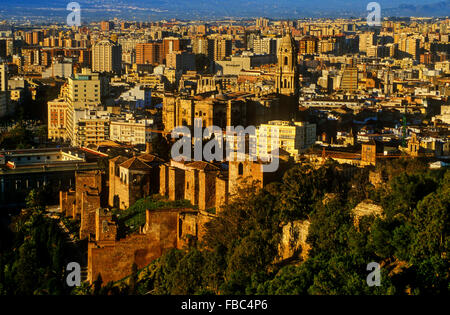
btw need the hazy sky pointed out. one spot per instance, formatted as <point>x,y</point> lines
<point>204,8</point>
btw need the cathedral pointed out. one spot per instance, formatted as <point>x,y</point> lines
<point>287,78</point>
<point>287,73</point>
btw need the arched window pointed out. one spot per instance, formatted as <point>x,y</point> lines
<point>285,60</point>
<point>240,169</point>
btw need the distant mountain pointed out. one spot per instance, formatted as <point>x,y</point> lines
<point>432,9</point>
<point>210,9</point>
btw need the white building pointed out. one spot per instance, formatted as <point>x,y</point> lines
<point>131,131</point>
<point>445,114</point>
<point>58,69</point>
<point>139,97</point>
<point>293,137</point>
<point>89,127</point>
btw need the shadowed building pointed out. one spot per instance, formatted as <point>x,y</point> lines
<point>132,179</point>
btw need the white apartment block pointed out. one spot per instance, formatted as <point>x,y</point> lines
<point>131,131</point>
<point>293,137</point>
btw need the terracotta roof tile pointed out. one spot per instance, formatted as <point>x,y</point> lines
<point>135,164</point>
<point>118,159</point>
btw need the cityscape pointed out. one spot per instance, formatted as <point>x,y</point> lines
<point>202,148</point>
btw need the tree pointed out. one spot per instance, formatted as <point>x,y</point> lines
<point>27,269</point>
<point>98,285</point>
<point>188,275</point>
<point>133,279</point>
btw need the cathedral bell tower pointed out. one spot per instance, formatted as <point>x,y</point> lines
<point>287,76</point>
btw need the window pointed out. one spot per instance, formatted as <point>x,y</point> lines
<point>240,169</point>
<point>285,61</point>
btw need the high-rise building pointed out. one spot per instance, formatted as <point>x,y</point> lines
<point>29,38</point>
<point>4,94</point>
<point>82,92</point>
<point>350,79</point>
<point>201,29</point>
<point>308,45</point>
<point>173,44</point>
<point>3,77</point>
<point>262,22</point>
<point>106,26</point>
<point>366,40</point>
<point>265,45</point>
<point>38,36</point>
<point>84,89</point>
<point>149,53</point>
<point>180,60</point>
<point>413,47</point>
<point>106,57</point>
<point>287,74</point>
<point>200,46</point>
<point>408,47</point>
<point>3,48</point>
<point>219,49</point>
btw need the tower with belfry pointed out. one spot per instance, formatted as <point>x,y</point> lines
<point>287,71</point>
<point>287,78</point>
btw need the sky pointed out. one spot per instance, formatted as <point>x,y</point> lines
<point>192,9</point>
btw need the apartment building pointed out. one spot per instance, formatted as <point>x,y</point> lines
<point>57,119</point>
<point>130,130</point>
<point>107,57</point>
<point>293,137</point>
<point>90,128</point>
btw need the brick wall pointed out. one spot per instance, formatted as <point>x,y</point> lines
<point>67,202</point>
<point>87,181</point>
<point>176,183</point>
<point>90,202</point>
<point>207,190</point>
<point>221,197</point>
<point>113,259</point>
